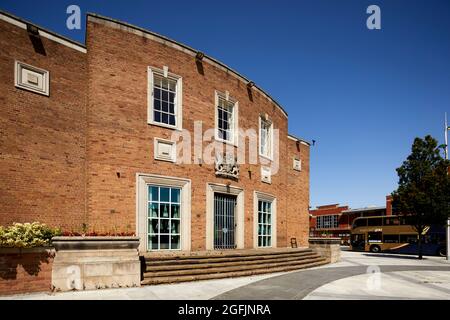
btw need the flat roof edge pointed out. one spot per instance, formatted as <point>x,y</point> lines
<point>364,209</point>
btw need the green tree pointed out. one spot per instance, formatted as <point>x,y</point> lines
<point>423,193</point>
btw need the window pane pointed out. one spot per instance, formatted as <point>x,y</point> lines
<point>175,211</point>
<point>153,210</point>
<point>172,120</point>
<point>375,221</point>
<point>157,116</point>
<point>157,93</point>
<point>390,238</point>
<point>408,238</point>
<point>164,193</point>
<point>171,108</point>
<point>164,226</point>
<point>153,226</point>
<point>164,210</point>
<point>374,236</point>
<point>175,195</point>
<point>153,242</point>
<point>172,86</point>
<point>164,83</point>
<point>175,242</point>
<point>152,193</point>
<point>175,226</point>
<point>164,242</point>
<point>165,106</point>
<point>157,105</point>
<point>165,118</point>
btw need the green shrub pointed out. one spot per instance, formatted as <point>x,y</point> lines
<point>27,235</point>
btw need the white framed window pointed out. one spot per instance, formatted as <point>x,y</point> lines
<point>164,98</point>
<point>226,118</point>
<point>265,220</point>
<point>265,138</point>
<point>31,78</point>
<point>264,223</point>
<point>163,220</point>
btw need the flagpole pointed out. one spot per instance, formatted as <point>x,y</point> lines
<point>447,128</point>
<point>446,136</point>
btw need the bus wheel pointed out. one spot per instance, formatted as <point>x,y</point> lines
<point>375,249</point>
<point>442,252</point>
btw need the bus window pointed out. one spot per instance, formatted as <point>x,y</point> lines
<point>408,238</point>
<point>375,221</point>
<point>374,236</point>
<point>391,221</point>
<point>390,238</point>
<point>360,223</point>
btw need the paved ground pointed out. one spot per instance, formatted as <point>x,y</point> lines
<point>357,276</point>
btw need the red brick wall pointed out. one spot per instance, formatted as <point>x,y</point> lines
<point>42,138</point>
<point>297,193</point>
<point>61,155</point>
<point>344,221</point>
<point>389,205</point>
<point>120,140</point>
<point>29,270</point>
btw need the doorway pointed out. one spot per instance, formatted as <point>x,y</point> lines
<point>224,221</point>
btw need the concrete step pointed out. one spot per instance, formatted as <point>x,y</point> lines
<point>242,273</point>
<point>228,258</point>
<point>231,268</point>
<point>150,267</point>
<point>156,256</point>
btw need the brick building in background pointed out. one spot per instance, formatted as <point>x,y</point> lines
<point>87,142</point>
<point>334,220</point>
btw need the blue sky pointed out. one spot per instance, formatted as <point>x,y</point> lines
<point>363,95</point>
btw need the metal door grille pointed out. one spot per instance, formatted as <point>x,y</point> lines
<point>224,221</point>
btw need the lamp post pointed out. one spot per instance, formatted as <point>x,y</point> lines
<point>447,128</point>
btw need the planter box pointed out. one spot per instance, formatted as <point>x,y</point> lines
<point>329,248</point>
<point>86,263</point>
<point>24,270</point>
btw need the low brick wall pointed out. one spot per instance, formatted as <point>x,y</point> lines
<point>25,270</point>
<point>86,263</point>
<point>327,247</point>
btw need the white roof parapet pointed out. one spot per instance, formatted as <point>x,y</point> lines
<point>21,23</point>
<point>303,141</point>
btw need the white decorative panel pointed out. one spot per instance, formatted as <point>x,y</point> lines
<point>266,174</point>
<point>31,78</point>
<point>165,150</point>
<point>297,164</point>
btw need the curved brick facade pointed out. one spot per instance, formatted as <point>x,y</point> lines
<point>74,157</point>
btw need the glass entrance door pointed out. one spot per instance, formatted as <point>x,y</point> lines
<point>224,221</point>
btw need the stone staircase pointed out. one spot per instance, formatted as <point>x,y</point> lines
<point>161,269</point>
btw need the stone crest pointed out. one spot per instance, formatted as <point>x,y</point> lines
<point>227,166</point>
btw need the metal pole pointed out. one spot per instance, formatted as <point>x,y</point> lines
<point>446,136</point>
<point>447,128</point>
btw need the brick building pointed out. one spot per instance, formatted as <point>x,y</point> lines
<point>101,137</point>
<point>334,220</point>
